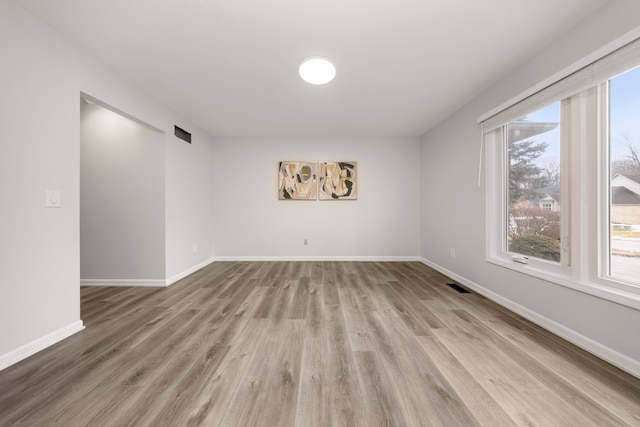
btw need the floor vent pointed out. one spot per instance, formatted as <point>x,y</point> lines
<point>459,288</point>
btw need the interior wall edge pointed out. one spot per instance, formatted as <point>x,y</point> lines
<point>97,101</point>
<point>176,277</point>
<point>605,353</point>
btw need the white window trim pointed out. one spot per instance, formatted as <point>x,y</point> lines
<point>599,272</point>
<point>583,269</point>
<point>496,217</point>
<point>595,56</point>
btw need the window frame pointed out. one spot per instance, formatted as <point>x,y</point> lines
<point>498,215</point>
<point>584,149</point>
<point>602,260</point>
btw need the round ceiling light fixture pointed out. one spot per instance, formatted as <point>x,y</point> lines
<point>317,71</point>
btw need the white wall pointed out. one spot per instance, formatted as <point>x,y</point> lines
<point>252,223</point>
<point>41,79</point>
<point>189,202</point>
<point>121,198</point>
<point>39,292</point>
<point>453,215</point>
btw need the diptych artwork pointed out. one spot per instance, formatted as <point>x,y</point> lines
<point>323,180</point>
<point>338,181</point>
<point>298,181</point>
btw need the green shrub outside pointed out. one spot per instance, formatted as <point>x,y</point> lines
<point>537,246</point>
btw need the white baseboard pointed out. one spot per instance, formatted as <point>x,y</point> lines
<point>173,279</point>
<point>41,343</point>
<point>121,282</point>
<point>614,357</point>
<point>146,283</point>
<point>321,258</point>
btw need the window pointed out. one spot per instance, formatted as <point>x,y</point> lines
<point>533,159</point>
<point>624,185</point>
<point>563,179</point>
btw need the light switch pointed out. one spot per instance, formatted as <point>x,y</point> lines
<point>52,199</point>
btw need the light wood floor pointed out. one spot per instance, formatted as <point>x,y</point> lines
<point>311,344</point>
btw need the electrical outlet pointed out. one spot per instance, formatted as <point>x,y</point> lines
<point>306,242</point>
<point>195,248</point>
<point>52,199</point>
<point>452,252</point>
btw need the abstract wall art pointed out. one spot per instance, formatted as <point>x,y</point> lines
<point>298,181</point>
<point>338,181</point>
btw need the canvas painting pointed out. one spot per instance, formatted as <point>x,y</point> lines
<point>338,181</point>
<point>298,181</point>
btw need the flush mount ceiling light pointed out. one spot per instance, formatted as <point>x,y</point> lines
<point>317,71</point>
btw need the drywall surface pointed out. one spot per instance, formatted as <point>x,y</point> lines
<point>39,251</point>
<point>252,223</point>
<point>121,198</point>
<point>190,202</point>
<point>41,86</point>
<point>450,153</point>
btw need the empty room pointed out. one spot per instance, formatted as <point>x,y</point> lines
<point>297,213</point>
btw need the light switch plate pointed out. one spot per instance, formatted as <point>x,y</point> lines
<point>52,199</point>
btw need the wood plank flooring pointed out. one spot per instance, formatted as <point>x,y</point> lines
<point>311,344</point>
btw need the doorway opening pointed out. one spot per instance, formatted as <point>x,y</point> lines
<point>122,198</point>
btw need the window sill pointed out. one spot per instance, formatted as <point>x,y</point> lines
<point>629,299</point>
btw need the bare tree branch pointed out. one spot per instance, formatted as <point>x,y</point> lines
<point>552,173</point>
<point>633,151</point>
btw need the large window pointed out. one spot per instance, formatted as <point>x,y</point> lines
<point>624,186</point>
<point>563,180</point>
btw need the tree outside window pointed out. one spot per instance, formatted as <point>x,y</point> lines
<point>533,151</point>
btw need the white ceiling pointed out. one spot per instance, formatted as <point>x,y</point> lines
<point>231,65</point>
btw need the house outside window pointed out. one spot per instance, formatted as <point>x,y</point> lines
<point>624,196</point>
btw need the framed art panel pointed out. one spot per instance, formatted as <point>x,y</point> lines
<point>298,181</point>
<point>338,181</point>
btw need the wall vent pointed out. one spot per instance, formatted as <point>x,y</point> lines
<point>182,134</point>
